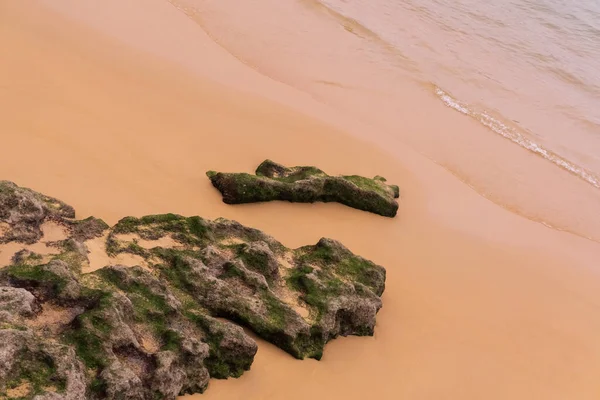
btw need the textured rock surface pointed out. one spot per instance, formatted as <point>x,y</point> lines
<point>24,211</point>
<point>306,185</point>
<point>167,326</point>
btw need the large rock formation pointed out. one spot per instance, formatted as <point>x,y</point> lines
<point>306,185</point>
<point>166,325</point>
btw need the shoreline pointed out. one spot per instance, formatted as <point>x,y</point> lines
<point>468,282</point>
<point>371,81</point>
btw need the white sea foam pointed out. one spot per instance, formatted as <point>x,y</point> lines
<point>545,73</point>
<point>515,136</point>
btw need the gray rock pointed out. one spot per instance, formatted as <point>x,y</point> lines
<point>25,211</point>
<point>162,330</point>
<point>88,228</point>
<point>169,376</point>
<point>24,356</point>
<point>11,343</point>
<point>122,383</point>
<point>17,302</point>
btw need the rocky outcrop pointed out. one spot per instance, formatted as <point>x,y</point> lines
<point>166,326</point>
<point>35,365</point>
<point>248,277</point>
<point>306,185</point>
<point>16,302</point>
<point>23,211</point>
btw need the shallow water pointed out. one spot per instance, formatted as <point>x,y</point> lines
<point>453,80</point>
<point>527,69</point>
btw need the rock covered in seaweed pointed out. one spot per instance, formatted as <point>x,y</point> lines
<point>128,335</point>
<point>297,299</point>
<point>166,326</point>
<point>33,364</point>
<point>273,181</point>
<point>23,212</point>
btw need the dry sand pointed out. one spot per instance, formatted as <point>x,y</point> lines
<point>480,303</point>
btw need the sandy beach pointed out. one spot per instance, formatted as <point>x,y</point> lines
<point>120,107</point>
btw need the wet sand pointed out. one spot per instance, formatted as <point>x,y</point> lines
<point>340,62</point>
<point>52,233</point>
<point>480,302</point>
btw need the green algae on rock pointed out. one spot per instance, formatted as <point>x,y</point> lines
<point>273,181</point>
<point>166,326</point>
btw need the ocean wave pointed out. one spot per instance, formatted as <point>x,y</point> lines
<point>517,137</point>
<point>356,28</point>
<point>574,80</point>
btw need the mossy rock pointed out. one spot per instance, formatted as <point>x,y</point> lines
<point>166,326</point>
<point>273,181</point>
<point>24,211</point>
